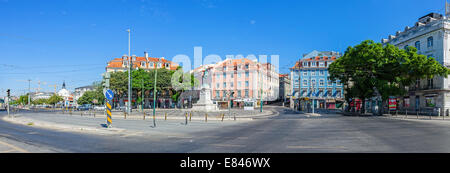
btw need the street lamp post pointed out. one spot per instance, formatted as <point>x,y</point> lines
<point>154,93</point>
<point>129,71</point>
<point>142,102</point>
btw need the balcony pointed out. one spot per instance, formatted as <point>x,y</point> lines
<point>422,88</point>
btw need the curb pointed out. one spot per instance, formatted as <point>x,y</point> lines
<point>63,127</point>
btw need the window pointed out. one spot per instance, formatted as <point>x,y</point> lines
<point>143,64</point>
<point>224,93</point>
<point>313,64</point>
<point>430,42</point>
<point>246,66</point>
<point>224,75</point>
<point>218,85</point>
<point>313,73</point>
<point>246,93</point>
<point>239,93</point>
<point>159,65</point>
<point>247,74</point>
<point>417,44</point>
<point>231,84</point>
<point>322,73</point>
<point>217,93</point>
<point>239,75</point>
<point>338,83</point>
<point>305,73</point>
<point>313,82</point>
<point>167,65</point>
<point>305,82</point>
<point>239,84</point>
<point>430,83</point>
<point>406,47</point>
<point>232,75</point>
<point>321,64</point>
<point>224,85</point>
<point>151,65</point>
<point>246,83</point>
<point>321,82</point>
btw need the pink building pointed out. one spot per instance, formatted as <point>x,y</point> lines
<point>244,77</point>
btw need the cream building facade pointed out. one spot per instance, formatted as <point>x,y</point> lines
<point>430,35</point>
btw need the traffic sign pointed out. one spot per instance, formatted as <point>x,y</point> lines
<point>109,94</point>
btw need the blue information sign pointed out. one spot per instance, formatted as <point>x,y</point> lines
<point>109,94</point>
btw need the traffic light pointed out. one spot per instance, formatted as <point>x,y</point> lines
<point>9,92</point>
<point>106,76</point>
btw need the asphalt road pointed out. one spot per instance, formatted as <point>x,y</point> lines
<point>287,132</point>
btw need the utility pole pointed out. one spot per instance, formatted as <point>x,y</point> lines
<point>29,92</point>
<point>7,102</point>
<point>312,94</point>
<point>261,81</point>
<point>299,88</point>
<point>130,67</point>
<point>142,102</point>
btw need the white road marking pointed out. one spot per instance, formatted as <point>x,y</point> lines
<point>314,147</point>
<point>228,145</point>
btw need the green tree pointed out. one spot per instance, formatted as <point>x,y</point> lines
<point>54,99</point>
<point>386,68</point>
<point>23,100</point>
<point>89,96</point>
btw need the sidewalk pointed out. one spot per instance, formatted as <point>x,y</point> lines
<point>399,116</point>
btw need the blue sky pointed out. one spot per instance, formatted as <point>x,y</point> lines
<point>71,40</point>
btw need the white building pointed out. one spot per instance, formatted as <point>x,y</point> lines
<point>430,35</point>
<point>80,91</point>
<point>66,95</point>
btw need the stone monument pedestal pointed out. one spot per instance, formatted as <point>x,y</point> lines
<point>205,103</point>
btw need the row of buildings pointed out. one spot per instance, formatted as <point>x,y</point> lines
<point>308,84</point>
<point>240,81</point>
<point>235,80</point>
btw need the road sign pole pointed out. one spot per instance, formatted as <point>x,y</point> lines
<point>108,112</point>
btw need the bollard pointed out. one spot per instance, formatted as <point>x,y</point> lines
<point>206,117</point>
<point>185,119</point>
<point>124,115</point>
<point>234,117</point>
<point>222,116</point>
<point>190,116</point>
<point>143,117</point>
<point>406,113</point>
<point>165,116</point>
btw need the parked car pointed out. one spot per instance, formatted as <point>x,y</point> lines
<point>99,108</point>
<point>84,107</point>
<point>121,108</point>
